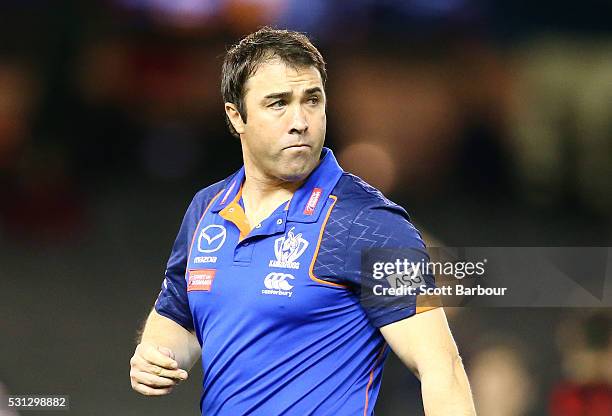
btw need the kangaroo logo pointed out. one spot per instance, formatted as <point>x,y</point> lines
<point>288,249</point>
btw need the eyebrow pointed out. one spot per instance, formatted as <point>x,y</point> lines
<point>287,94</point>
<point>284,94</point>
<point>313,90</point>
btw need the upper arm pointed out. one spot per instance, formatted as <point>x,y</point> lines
<point>172,301</point>
<point>423,342</point>
<point>382,234</point>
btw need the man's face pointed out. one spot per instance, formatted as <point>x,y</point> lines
<point>286,121</point>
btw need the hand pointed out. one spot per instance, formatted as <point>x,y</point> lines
<point>153,370</point>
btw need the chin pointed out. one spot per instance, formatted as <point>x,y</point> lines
<point>298,166</point>
<point>297,172</point>
<point>293,176</point>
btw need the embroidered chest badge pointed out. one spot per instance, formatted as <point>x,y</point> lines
<point>288,249</point>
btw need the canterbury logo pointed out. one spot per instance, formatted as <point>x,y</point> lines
<point>278,281</point>
<point>288,249</point>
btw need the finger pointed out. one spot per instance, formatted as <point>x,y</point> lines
<point>139,364</point>
<point>154,356</point>
<point>152,380</point>
<point>149,391</point>
<point>164,372</point>
<point>166,351</point>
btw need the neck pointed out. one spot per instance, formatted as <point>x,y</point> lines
<point>266,188</point>
<point>258,189</point>
<point>262,194</point>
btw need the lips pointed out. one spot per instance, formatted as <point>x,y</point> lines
<point>297,146</point>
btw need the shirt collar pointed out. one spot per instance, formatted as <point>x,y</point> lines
<point>308,201</point>
<point>228,194</point>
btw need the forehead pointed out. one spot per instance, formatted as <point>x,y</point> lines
<point>275,75</point>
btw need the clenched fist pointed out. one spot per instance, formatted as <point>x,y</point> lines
<point>153,370</point>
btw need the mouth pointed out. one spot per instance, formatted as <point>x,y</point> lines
<point>297,146</point>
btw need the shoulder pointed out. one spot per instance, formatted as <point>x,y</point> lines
<point>204,196</point>
<point>362,218</point>
<point>371,218</point>
<point>356,196</point>
<point>208,193</point>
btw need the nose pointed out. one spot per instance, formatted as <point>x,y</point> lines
<point>299,124</point>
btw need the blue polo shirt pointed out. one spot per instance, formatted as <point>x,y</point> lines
<point>277,307</point>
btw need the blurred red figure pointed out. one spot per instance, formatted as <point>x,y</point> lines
<point>587,361</point>
<point>572,399</point>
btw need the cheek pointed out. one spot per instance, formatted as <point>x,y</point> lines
<point>267,126</point>
<point>321,121</point>
<point>320,126</point>
<point>263,138</point>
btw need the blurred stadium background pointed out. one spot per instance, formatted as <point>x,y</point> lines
<point>490,121</point>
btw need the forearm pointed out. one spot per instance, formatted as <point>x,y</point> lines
<point>164,332</point>
<point>446,390</point>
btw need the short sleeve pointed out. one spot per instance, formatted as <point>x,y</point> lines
<point>172,300</point>
<point>383,234</point>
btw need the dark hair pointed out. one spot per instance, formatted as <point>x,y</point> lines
<point>243,59</point>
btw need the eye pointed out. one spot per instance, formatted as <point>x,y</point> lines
<point>277,104</point>
<point>314,100</point>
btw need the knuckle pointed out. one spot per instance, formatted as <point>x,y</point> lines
<point>141,351</point>
<point>136,361</point>
<point>158,383</point>
<point>136,376</point>
<point>134,367</point>
<point>153,369</point>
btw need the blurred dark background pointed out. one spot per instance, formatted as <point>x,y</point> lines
<point>491,122</point>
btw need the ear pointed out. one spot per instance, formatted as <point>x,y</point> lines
<point>235,118</point>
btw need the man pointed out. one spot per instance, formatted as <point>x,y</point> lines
<point>264,278</point>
